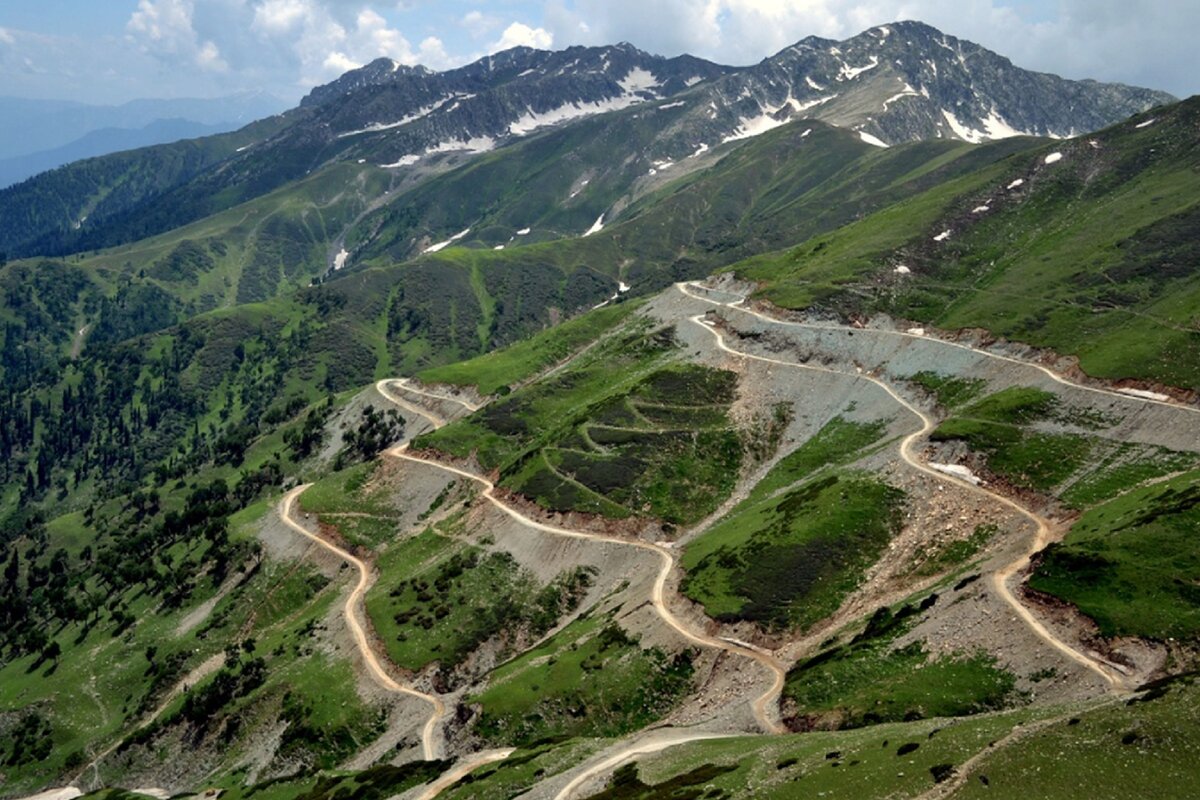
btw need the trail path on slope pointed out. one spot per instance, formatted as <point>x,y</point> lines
<point>642,748</point>
<point>206,668</point>
<point>376,669</point>
<point>462,770</point>
<point>737,305</point>
<point>1000,578</point>
<point>763,706</point>
<point>760,706</point>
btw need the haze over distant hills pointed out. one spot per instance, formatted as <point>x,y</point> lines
<point>55,132</point>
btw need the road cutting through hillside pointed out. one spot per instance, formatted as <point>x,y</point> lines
<point>464,769</point>
<point>999,578</point>
<point>642,748</point>
<point>685,288</point>
<point>376,669</point>
<point>761,706</point>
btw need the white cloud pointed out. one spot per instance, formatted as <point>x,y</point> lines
<point>433,54</point>
<point>164,29</point>
<point>479,24</point>
<point>6,37</point>
<point>519,34</point>
<point>281,16</point>
<point>209,57</point>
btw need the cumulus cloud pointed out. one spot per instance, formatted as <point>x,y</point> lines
<point>164,28</point>
<point>519,34</point>
<point>302,42</point>
<point>478,24</point>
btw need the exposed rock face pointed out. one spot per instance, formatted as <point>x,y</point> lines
<point>895,83</point>
<point>399,114</point>
<point>909,81</point>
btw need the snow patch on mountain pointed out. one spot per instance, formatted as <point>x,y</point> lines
<point>993,126</point>
<point>754,126</point>
<point>420,113</point>
<point>478,144</point>
<point>907,91</point>
<point>405,161</point>
<point>639,79</point>
<point>958,471</point>
<point>433,248</point>
<point>849,73</point>
<point>597,226</point>
<point>873,140</point>
<point>532,120</point>
<point>1146,395</point>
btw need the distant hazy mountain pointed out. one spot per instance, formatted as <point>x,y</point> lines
<point>34,126</point>
<point>104,141</point>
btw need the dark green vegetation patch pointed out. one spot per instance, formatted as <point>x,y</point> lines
<point>627,785</point>
<point>1029,459</point>
<point>618,433</point>
<point>590,679</point>
<point>439,600</point>
<point>1132,564</point>
<point>789,560</point>
<point>950,391</point>
<point>1082,468</point>
<point>870,680</point>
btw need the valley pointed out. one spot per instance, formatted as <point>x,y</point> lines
<point>590,425</point>
<point>1062,643</point>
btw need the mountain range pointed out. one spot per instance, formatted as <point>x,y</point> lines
<point>892,84</point>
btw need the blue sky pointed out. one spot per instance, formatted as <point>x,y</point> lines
<point>117,50</point>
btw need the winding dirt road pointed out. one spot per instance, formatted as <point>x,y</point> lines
<point>687,288</point>
<point>462,770</point>
<point>656,744</point>
<point>1000,578</point>
<point>428,743</point>
<point>762,706</point>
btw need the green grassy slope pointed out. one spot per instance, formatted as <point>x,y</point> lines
<point>1131,564</point>
<point>1089,254</point>
<point>621,432</point>
<point>762,193</point>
